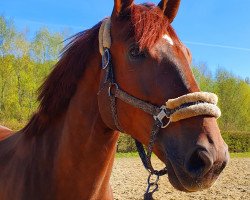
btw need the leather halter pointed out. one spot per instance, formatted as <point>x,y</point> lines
<point>159,113</point>
<point>110,90</point>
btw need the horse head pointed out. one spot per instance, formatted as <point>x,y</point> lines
<point>146,65</point>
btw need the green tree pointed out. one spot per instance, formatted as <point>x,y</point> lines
<point>234,96</point>
<point>7,34</point>
<point>203,77</point>
<point>247,80</point>
<point>24,65</point>
<point>45,49</point>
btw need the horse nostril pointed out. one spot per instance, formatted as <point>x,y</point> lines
<point>199,163</point>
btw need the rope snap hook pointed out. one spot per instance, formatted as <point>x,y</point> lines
<point>152,186</point>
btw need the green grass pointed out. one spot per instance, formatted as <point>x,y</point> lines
<point>127,155</point>
<point>240,155</point>
<point>135,154</point>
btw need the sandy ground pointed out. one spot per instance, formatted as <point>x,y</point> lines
<point>129,182</point>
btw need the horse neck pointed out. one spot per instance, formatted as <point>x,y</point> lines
<point>87,148</point>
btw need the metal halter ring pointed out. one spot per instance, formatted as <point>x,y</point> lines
<point>161,115</point>
<point>110,87</point>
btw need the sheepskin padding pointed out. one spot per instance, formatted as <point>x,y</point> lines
<point>192,97</point>
<point>196,110</point>
<point>104,35</point>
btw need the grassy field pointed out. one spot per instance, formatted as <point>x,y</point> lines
<point>135,154</point>
<point>126,155</point>
<point>240,155</point>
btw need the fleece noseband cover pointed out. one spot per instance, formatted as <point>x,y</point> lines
<point>203,103</point>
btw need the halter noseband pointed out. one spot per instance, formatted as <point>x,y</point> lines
<point>186,106</point>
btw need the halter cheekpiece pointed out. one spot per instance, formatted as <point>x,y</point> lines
<point>186,106</point>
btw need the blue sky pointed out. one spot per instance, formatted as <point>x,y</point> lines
<point>216,31</point>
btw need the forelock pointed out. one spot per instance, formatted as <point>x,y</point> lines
<point>148,23</point>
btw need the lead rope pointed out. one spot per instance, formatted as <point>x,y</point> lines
<point>146,160</point>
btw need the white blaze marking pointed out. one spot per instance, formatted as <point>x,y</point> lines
<point>169,40</point>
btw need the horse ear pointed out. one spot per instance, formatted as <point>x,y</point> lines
<point>121,5</point>
<point>170,8</point>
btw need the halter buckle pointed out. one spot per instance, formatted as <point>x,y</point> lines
<point>161,115</point>
<point>152,186</point>
<point>110,88</point>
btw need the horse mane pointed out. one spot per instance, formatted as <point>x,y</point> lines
<point>147,24</point>
<point>55,93</point>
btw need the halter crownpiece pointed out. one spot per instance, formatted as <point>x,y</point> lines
<point>104,35</point>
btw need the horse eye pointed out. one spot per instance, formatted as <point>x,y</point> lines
<point>136,53</point>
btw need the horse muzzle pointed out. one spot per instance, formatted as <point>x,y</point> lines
<point>195,153</point>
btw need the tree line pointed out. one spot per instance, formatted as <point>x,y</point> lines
<point>25,62</point>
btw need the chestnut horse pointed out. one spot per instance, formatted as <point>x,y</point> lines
<point>67,149</point>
